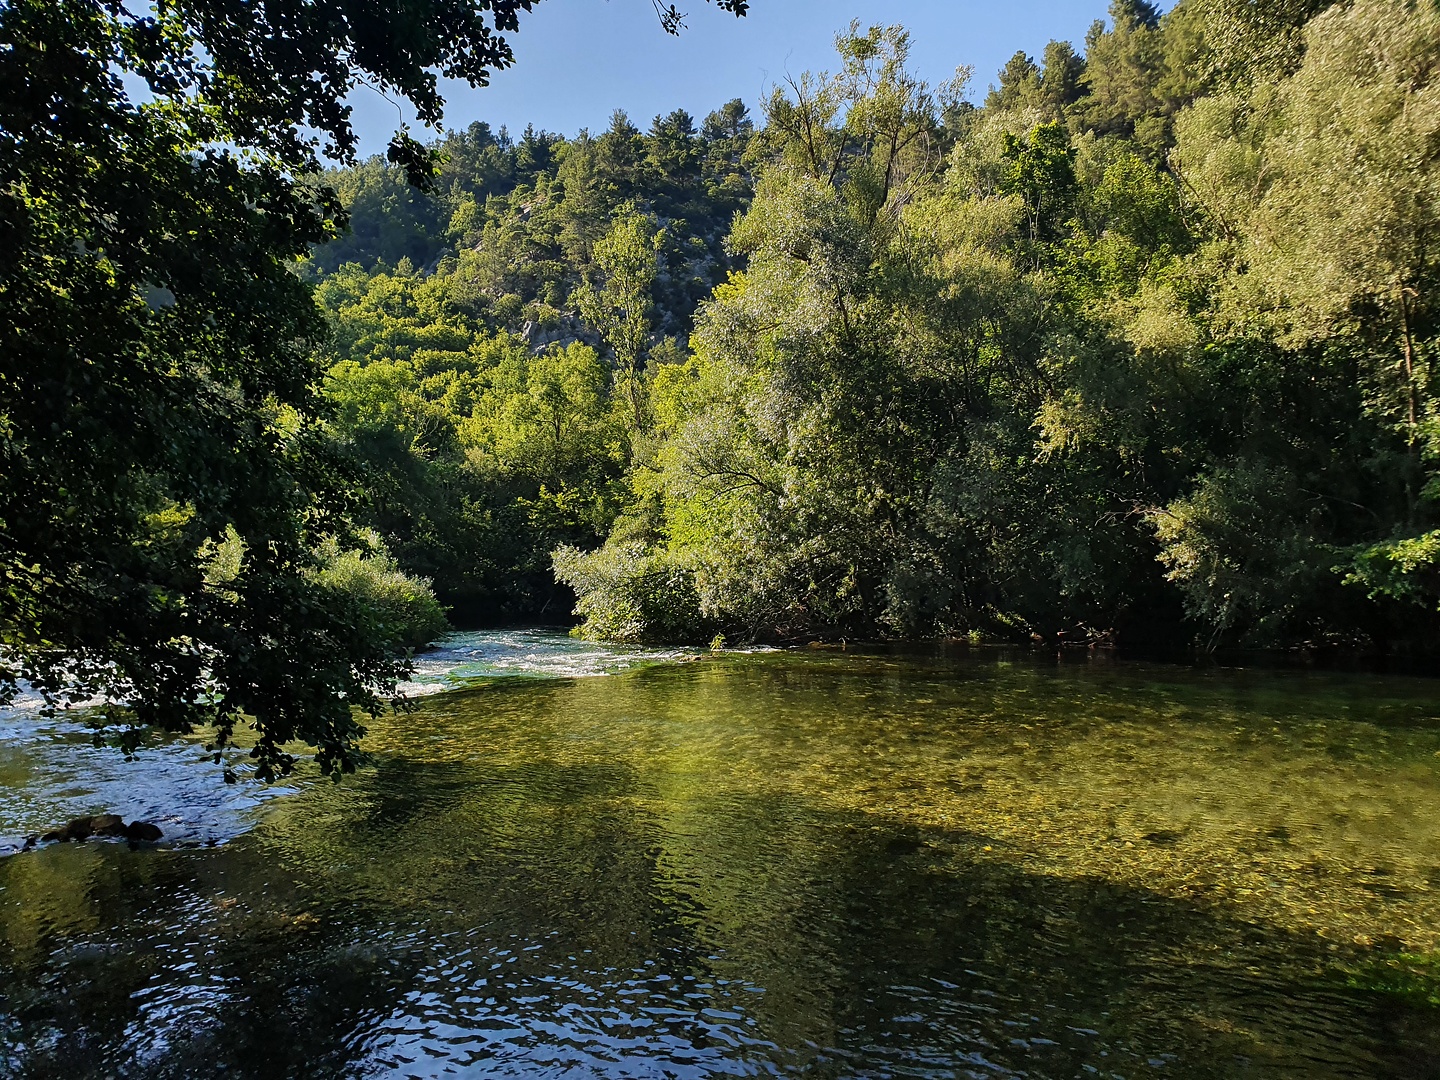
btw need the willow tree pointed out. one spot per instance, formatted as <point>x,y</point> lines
<point>821,454</point>
<point>1326,184</point>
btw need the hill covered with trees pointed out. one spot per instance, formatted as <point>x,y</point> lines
<point>493,340</point>
<point>1137,349</point>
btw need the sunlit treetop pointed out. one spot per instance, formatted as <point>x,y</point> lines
<point>275,74</point>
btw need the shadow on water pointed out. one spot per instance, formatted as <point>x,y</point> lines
<point>773,866</point>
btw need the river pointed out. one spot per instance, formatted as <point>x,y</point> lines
<point>577,861</point>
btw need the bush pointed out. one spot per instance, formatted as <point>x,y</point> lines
<point>404,606</point>
<point>630,592</point>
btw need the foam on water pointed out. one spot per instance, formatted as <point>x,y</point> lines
<point>538,653</point>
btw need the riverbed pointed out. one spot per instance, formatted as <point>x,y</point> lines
<point>576,861</point>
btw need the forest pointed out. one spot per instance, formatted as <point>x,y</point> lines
<point>1137,350</point>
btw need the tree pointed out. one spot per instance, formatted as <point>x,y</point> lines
<point>1121,67</point>
<point>811,451</point>
<point>1039,170</point>
<point>1019,84</point>
<point>1328,181</point>
<point>1060,77</point>
<point>388,217</point>
<point>1348,212</point>
<point>159,392</point>
<point>673,146</point>
<point>730,121</point>
<point>1257,40</point>
<point>619,304</point>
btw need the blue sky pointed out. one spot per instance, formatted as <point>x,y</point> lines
<point>579,60</point>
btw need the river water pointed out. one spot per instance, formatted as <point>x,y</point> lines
<point>576,861</point>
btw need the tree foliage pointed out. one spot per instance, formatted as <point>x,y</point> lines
<point>1138,350</point>
<point>1144,355</point>
<point>162,390</point>
<point>618,305</point>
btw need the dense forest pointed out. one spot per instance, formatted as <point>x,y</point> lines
<point>495,341</point>
<point>1137,350</point>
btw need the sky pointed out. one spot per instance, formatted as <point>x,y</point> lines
<point>577,61</point>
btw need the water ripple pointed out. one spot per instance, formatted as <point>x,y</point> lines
<point>51,772</point>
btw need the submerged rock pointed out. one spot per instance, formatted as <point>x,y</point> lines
<point>78,829</point>
<point>142,832</point>
<point>109,825</point>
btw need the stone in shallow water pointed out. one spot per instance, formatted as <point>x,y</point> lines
<point>107,825</point>
<point>137,832</point>
<point>78,829</point>
<point>142,832</point>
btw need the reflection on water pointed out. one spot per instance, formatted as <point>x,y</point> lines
<point>784,864</point>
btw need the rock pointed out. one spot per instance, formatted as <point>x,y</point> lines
<point>85,827</point>
<point>79,829</point>
<point>142,832</point>
<point>107,825</point>
<point>137,832</point>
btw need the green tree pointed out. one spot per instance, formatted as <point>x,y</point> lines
<point>619,304</point>
<point>1256,40</point>
<point>814,446</point>
<point>1121,67</point>
<point>389,219</point>
<point>1327,184</point>
<point>1060,79</point>
<point>1019,84</point>
<point>730,121</point>
<point>159,388</point>
<point>1039,170</point>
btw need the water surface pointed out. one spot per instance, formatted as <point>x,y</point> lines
<point>791,864</point>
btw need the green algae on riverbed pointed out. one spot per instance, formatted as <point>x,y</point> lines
<point>786,863</point>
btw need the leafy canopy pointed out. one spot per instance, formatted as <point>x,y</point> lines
<point>161,393</point>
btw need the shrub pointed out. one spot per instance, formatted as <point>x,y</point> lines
<point>630,592</point>
<point>403,605</point>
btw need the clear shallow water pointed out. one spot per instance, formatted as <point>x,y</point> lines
<point>50,771</point>
<point>788,864</point>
